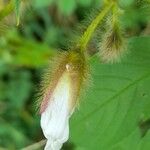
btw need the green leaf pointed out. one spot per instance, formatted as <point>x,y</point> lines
<point>9,134</point>
<point>67,7</point>
<point>110,114</point>
<point>26,51</point>
<point>126,3</point>
<point>43,3</point>
<point>19,88</point>
<point>85,3</point>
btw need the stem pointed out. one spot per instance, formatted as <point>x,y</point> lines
<point>7,10</point>
<point>92,27</point>
<point>115,14</point>
<point>35,146</point>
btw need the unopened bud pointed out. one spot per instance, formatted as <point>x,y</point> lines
<point>60,98</point>
<point>112,46</point>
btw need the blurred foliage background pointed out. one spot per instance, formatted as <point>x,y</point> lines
<point>45,27</point>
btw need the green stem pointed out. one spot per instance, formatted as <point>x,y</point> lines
<point>7,10</point>
<point>92,27</point>
<point>35,146</point>
<point>115,14</point>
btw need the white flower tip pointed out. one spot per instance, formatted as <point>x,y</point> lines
<point>53,145</point>
<point>55,118</point>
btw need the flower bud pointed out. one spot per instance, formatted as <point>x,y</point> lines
<point>60,95</point>
<point>112,45</point>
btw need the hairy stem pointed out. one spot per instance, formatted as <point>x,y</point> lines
<point>115,14</point>
<point>92,27</point>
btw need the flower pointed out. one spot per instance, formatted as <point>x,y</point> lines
<point>60,96</point>
<point>55,119</point>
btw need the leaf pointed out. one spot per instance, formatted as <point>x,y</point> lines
<point>133,17</point>
<point>9,135</point>
<point>26,51</point>
<point>19,88</point>
<point>67,7</point>
<point>110,114</point>
<point>43,3</point>
<point>126,3</point>
<point>85,3</point>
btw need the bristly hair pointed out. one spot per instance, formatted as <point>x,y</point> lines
<point>78,73</point>
<point>112,45</point>
<point>81,27</point>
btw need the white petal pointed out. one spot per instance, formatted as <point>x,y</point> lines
<point>55,119</point>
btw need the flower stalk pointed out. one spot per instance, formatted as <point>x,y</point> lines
<point>87,35</point>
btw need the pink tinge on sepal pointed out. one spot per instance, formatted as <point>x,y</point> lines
<point>44,103</point>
